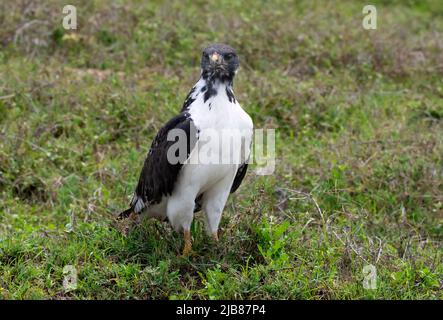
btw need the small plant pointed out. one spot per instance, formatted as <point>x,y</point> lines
<point>272,238</point>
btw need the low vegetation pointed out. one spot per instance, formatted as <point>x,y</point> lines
<point>359,173</point>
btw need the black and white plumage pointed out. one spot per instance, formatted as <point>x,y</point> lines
<point>176,190</point>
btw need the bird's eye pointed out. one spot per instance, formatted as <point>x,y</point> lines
<point>229,56</point>
<point>205,55</point>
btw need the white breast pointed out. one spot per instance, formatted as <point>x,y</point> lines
<point>217,116</point>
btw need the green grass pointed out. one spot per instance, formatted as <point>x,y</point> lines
<point>359,122</point>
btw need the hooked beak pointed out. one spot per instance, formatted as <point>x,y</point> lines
<point>216,58</point>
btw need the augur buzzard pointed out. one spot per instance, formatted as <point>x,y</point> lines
<point>173,189</point>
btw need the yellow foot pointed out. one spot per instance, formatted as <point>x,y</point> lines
<point>215,236</point>
<point>187,250</point>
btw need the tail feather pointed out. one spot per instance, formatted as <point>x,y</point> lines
<point>125,214</point>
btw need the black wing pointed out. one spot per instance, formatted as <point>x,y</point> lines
<point>241,172</point>
<point>158,175</point>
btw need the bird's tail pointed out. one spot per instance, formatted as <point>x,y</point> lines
<point>125,214</point>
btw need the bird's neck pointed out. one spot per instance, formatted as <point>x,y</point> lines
<point>208,89</point>
<point>212,87</point>
<point>214,82</point>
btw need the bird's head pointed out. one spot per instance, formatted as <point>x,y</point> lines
<point>219,62</point>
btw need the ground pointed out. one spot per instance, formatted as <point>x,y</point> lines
<point>358,180</point>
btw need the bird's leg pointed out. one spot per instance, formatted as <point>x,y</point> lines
<point>215,236</point>
<point>188,244</point>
